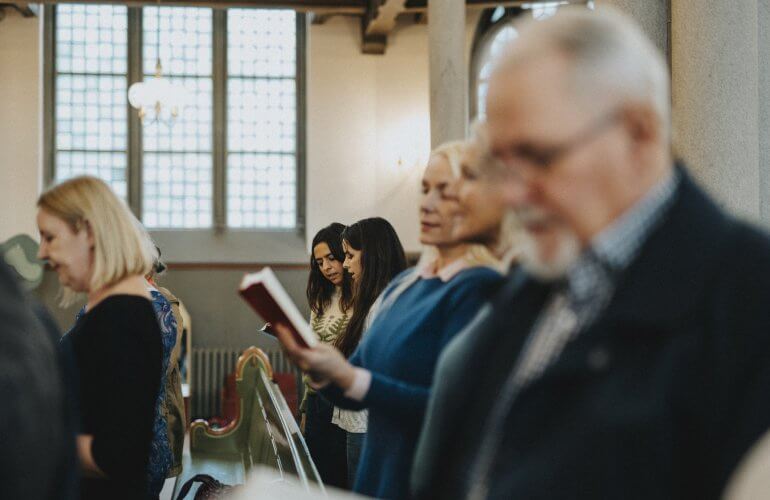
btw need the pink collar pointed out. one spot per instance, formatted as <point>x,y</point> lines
<point>446,273</point>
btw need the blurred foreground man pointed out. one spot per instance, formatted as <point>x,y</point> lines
<point>629,355</point>
<point>37,442</point>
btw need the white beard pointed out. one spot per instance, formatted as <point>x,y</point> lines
<point>531,259</point>
<point>530,255</point>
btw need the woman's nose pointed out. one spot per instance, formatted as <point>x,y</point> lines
<point>42,251</point>
<point>428,203</point>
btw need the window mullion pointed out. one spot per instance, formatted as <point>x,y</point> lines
<point>135,153</point>
<point>219,146</point>
<point>49,94</point>
<point>301,79</point>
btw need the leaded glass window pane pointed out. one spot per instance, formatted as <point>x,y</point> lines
<point>91,86</point>
<point>261,119</point>
<point>91,111</point>
<point>177,187</point>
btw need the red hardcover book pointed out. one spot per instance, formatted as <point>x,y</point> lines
<point>266,295</point>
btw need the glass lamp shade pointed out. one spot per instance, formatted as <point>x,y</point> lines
<point>157,97</point>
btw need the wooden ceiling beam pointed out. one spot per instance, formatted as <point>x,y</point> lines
<point>378,17</point>
<point>377,23</point>
<point>321,7</point>
<point>379,20</point>
<point>24,8</point>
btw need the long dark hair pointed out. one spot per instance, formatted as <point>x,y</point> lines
<point>320,289</point>
<point>382,258</point>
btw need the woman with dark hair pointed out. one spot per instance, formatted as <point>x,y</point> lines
<point>418,314</point>
<point>373,257</point>
<point>330,297</point>
<point>327,276</point>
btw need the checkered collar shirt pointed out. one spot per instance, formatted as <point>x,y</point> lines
<point>574,305</point>
<point>615,248</point>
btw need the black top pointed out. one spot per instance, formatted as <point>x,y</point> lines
<point>117,348</point>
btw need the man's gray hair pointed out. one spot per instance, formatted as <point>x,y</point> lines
<point>610,55</point>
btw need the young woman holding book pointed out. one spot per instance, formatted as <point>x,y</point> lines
<point>97,247</point>
<point>330,297</point>
<point>391,372</point>
<point>373,257</point>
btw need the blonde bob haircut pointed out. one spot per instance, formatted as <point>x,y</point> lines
<point>477,255</point>
<point>121,244</point>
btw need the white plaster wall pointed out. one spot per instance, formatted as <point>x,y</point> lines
<point>652,16</point>
<point>717,97</point>
<point>365,114</point>
<point>20,123</point>
<point>368,125</point>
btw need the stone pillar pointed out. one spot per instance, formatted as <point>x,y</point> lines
<point>716,98</point>
<point>763,15</point>
<point>448,71</point>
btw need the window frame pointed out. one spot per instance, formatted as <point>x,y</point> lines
<point>219,243</point>
<point>487,29</point>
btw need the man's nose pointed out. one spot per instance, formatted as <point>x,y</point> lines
<point>517,190</point>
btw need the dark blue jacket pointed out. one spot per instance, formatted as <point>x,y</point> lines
<point>660,398</point>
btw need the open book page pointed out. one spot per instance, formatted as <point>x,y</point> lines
<point>269,298</point>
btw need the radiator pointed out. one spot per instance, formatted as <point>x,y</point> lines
<point>210,367</point>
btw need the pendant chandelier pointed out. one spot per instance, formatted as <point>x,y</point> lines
<point>157,98</point>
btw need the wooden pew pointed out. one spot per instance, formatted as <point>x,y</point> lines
<point>264,433</point>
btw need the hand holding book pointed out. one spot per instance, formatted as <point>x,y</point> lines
<point>323,363</point>
<point>269,299</point>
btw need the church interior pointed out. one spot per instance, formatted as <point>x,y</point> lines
<point>236,130</point>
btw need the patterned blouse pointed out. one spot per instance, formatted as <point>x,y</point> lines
<point>350,420</point>
<point>160,451</point>
<point>328,326</point>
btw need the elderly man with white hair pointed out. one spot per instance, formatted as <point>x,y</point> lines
<point>628,356</point>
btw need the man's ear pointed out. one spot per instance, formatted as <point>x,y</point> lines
<point>642,123</point>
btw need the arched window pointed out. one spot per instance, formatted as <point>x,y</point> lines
<point>494,31</point>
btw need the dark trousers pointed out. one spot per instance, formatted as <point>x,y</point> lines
<point>327,442</point>
<point>355,443</point>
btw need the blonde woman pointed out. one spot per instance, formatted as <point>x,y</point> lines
<point>391,372</point>
<point>97,248</point>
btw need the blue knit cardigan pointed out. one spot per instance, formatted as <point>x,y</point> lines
<point>400,349</point>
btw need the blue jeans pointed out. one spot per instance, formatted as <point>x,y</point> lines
<point>355,443</point>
